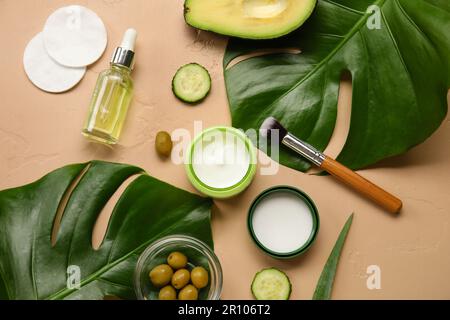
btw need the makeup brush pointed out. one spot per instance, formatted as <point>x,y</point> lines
<point>344,174</point>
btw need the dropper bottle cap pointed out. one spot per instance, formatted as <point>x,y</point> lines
<point>129,39</point>
<point>124,55</point>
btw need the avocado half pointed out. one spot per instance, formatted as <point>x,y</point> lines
<point>249,19</point>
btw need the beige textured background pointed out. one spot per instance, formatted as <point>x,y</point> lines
<point>40,132</point>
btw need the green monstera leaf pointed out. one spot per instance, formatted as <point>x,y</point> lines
<point>32,268</point>
<point>397,52</point>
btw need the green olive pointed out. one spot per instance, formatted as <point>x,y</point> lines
<point>177,260</point>
<point>180,278</point>
<point>163,143</point>
<point>167,293</point>
<point>199,277</point>
<point>161,275</point>
<point>188,293</point>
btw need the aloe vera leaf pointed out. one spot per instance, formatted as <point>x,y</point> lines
<point>326,280</point>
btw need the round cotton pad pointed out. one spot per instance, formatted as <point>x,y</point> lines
<point>44,72</point>
<point>75,36</point>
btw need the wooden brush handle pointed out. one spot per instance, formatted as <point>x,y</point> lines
<point>367,188</point>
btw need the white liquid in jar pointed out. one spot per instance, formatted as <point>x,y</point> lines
<point>220,160</point>
<point>282,222</point>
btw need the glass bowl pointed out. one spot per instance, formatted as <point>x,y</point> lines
<point>198,254</point>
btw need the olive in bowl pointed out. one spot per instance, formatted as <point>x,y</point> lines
<point>198,255</point>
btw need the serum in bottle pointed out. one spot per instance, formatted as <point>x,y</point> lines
<point>112,95</point>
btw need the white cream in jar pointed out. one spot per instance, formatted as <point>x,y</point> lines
<point>283,221</point>
<point>220,160</point>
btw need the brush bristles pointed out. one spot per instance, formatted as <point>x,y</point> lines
<point>271,128</point>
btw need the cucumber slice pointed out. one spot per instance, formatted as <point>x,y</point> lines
<point>191,83</point>
<point>271,284</point>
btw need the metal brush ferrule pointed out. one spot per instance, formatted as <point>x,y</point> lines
<point>123,57</point>
<point>304,149</point>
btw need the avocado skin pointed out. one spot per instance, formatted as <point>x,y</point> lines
<point>187,10</point>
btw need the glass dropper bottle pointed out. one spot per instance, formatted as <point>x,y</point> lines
<point>112,95</point>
